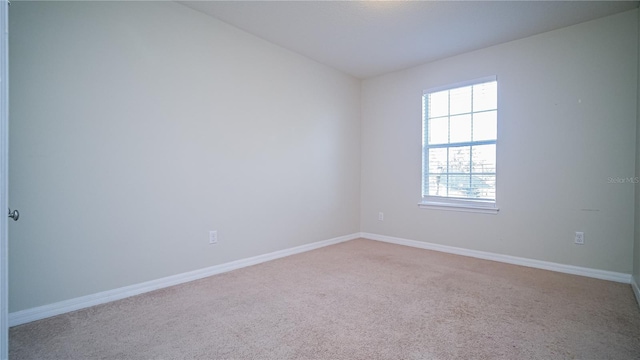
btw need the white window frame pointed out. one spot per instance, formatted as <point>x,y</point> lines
<point>452,203</point>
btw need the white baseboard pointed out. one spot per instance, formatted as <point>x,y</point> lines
<point>569,269</point>
<point>636,288</point>
<point>45,311</point>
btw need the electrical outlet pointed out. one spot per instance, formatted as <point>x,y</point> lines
<point>213,237</point>
<point>381,216</point>
<point>579,239</point>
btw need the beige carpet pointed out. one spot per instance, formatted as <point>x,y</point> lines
<point>356,300</point>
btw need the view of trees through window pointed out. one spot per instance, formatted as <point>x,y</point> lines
<point>459,142</point>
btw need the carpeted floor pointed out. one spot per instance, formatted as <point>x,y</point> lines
<point>357,300</point>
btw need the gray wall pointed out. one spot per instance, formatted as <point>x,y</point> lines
<point>567,124</point>
<point>137,127</point>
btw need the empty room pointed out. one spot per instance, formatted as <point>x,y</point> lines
<point>322,180</point>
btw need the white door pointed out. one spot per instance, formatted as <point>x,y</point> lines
<point>4,178</point>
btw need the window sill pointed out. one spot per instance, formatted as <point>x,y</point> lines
<point>467,207</point>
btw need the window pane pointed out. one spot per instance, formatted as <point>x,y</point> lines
<point>483,187</point>
<point>485,126</point>
<point>460,128</point>
<point>452,118</point>
<point>459,185</point>
<point>460,159</point>
<point>438,131</point>
<point>485,96</point>
<point>438,185</point>
<point>484,159</point>
<point>460,100</point>
<point>438,104</point>
<point>437,161</point>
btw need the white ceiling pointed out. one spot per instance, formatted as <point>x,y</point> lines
<point>369,38</point>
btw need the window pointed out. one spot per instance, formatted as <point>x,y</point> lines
<point>459,137</point>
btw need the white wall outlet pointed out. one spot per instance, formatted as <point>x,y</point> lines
<point>579,239</point>
<point>213,237</point>
<point>381,216</point>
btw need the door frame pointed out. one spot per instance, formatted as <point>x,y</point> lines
<point>4,179</point>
